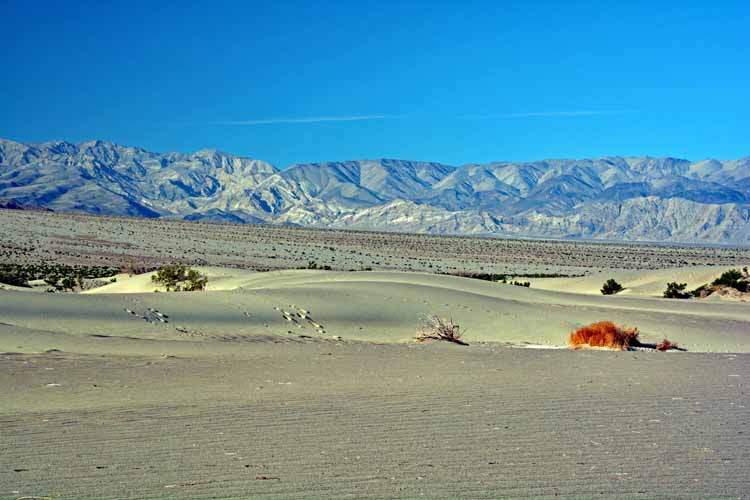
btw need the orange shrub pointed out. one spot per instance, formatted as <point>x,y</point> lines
<point>666,345</point>
<point>604,334</point>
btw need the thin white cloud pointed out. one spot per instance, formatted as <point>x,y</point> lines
<point>359,118</point>
<point>552,114</point>
<point>310,119</point>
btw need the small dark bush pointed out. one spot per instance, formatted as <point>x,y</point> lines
<point>11,277</point>
<point>676,291</point>
<point>314,265</point>
<point>733,278</point>
<point>611,287</point>
<point>702,291</point>
<point>68,283</point>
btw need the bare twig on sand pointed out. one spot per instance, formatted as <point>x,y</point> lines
<point>437,328</point>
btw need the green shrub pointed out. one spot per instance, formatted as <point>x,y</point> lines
<point>611,287</point>
<point>12,277</point>
<point>734,279</point>
<point>676,291</point>
<point>702,291</point>
<point>177,278</point>
<point>68,283</point>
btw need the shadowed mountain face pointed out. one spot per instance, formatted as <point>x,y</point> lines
<point>658,199</point>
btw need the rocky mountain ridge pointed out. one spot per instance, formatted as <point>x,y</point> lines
<point>614,198</point>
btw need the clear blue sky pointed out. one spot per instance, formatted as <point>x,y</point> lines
<point>456,82</point>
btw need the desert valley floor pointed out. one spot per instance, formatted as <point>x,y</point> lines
<point>279,382</point>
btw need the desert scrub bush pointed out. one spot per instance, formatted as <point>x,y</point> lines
<point>68,283</point>
<point>611,287</point>
<point>702,291</point>
<point>179,278</point>
<point>734,278</point>
<point>13,277</point>
<point>676,291</point>
<point>437,328</point>
<point>604,334</point>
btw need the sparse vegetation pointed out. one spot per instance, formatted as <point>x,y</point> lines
<point>52,274</point>
<point>52,280</point>
<point>526,284</point>
<point>479,276</point>
<point>507,278</point>
<point>666,345</point>
<point>13,277</point>
<point>676,291</point>
<point>730,282</point>
<point>611,287</point>
<point>437,328</point>
<point>69,283</point>
<point>734,278</point>
<point>604,334</point>
<point>146,244</point>
<point>180,278</point>
<point>314,265</point>
<point>702,291</point>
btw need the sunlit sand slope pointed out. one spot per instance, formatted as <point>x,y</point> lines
<point>363,306</point>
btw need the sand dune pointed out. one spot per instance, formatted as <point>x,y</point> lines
<point>359,306</point>
<point>218,279</point>
<point>645,283</point>
<point>308,385</point>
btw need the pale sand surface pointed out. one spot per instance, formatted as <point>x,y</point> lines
<point>222,397</point>
<point>323,420</point>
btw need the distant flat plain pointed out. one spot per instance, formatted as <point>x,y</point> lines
<point>98,240</point>
<point>307,384</point>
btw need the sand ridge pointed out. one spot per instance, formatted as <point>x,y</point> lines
<point>641,283</point>
<point>375,306</point>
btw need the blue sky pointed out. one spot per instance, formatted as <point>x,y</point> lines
<point>455,82</point>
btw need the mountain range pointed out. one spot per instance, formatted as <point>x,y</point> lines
<point>613,198</point>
